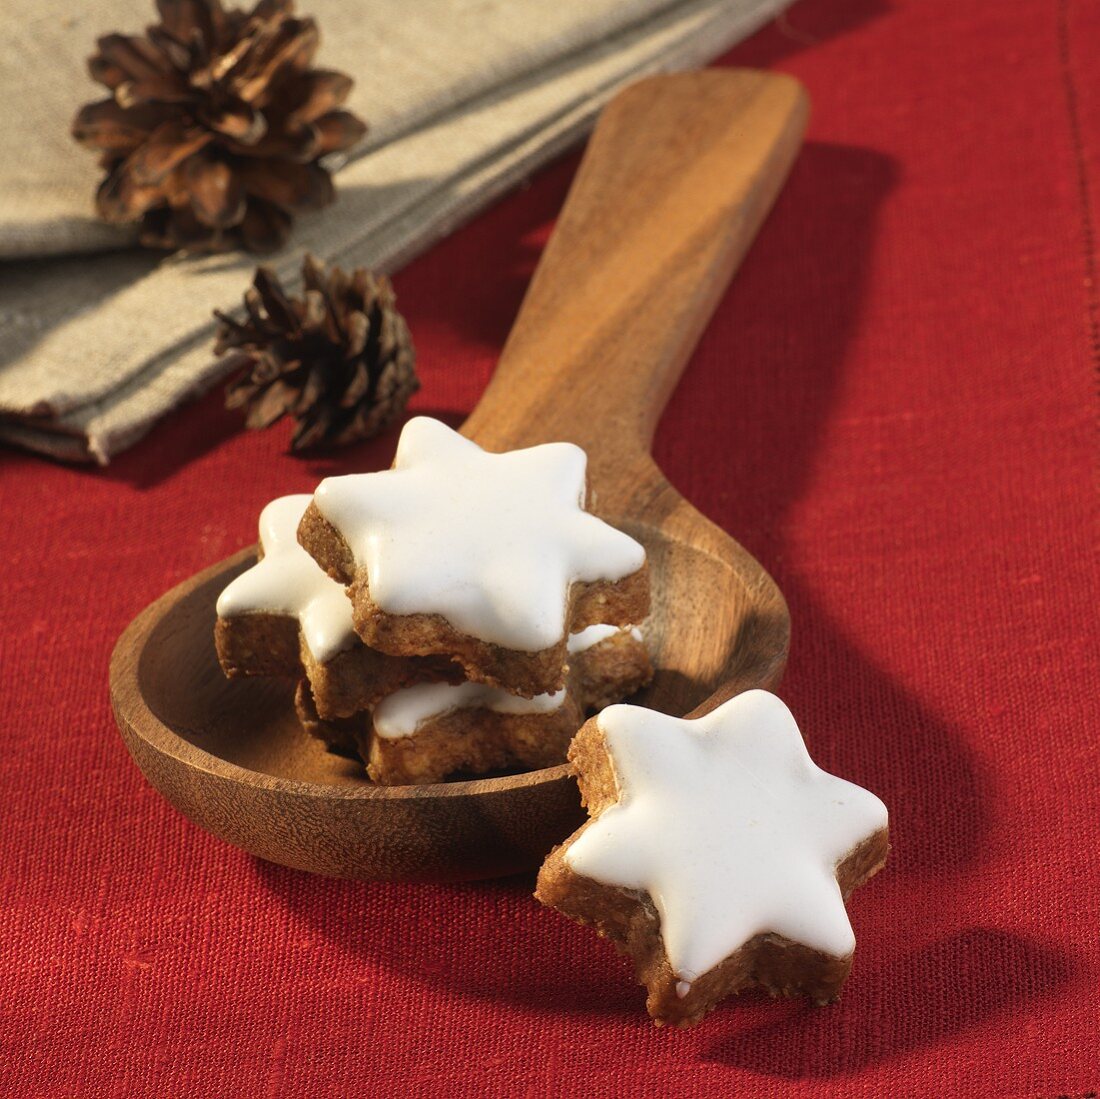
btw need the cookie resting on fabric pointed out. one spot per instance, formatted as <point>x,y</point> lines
<point>718,855</point>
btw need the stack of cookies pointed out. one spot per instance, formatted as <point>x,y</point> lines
<point>459,613</point>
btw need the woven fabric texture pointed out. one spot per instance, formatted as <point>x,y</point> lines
<point>465,98</point>
<point>894,410</point>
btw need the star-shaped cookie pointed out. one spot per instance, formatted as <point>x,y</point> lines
<point>718,855</point>
<point>430,731</point>
<point>287,582</point>
<point>489,558</point>
<point>285,617</point>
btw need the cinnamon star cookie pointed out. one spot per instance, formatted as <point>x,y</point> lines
<point>285,617</point>
<point>718,856</point>
<point>427,732</point>
<point>490,559</point>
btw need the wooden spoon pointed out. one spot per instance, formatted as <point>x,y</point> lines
<point>677,178</point>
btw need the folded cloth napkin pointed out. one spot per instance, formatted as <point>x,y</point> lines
<point>99,339</point>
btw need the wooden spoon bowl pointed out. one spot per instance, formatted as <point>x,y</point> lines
<point>678,176</point>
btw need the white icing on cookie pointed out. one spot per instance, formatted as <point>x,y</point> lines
<point>585,639</point>
<point>288,581</point>
<point>489,541</point>
<point>730,827</point>
<point>402,713</point>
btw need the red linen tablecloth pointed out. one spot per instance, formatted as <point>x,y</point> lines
<point>893,410</point>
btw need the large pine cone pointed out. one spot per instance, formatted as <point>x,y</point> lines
<point>213,135</point>
<point>339,359</point>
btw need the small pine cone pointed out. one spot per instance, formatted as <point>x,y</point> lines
<point>339,359</point>
<point>216,126</point>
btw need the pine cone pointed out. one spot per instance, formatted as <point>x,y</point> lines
<point>339,360</point>
<point>216,126</point>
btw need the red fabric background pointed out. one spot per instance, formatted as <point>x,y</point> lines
<point>893,410</point>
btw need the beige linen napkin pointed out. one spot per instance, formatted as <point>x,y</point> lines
<point>464,97</point>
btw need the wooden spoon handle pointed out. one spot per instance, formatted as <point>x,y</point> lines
<point>677,178</point>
